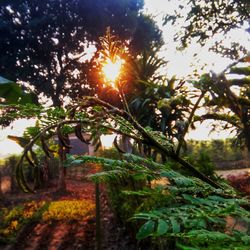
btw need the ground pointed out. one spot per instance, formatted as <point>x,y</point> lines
<point>74,234</point>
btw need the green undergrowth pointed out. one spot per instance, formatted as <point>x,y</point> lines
<point>168,210</point>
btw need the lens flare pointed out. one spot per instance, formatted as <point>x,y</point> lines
<point>112,70</point>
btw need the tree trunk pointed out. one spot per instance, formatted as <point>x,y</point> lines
<point>13,184</point>
<point>61,180</point>
<point>247,142</point>
<point>1,193</point>
<point>62,170</point>
<point>61,185</point>
<point>12,165</point>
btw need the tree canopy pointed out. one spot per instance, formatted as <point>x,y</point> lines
<point>44,43</point>
<point>201,20</point>
<point>206,18</point>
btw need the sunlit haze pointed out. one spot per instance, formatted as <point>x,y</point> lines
<point>180,63</point>
<point>17,128</point>
<point>195,57</point>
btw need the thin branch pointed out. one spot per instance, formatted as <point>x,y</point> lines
<point>221,117</point>
<point>189,122</point>
<point>242,59</point>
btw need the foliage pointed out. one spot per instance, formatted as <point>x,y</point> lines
<point>177,207</point>
<point>68,210</point>
<point>217,150</point>
<point>182,208</point>
<point>111,153</point>
<point>163,107</point>
<point>103,118</point>
<point>155,101</point>
<point>13,94</point>
<point>228,100</point>
<point>12,220</point>
<point>203,162</point>
<point>201,20</point>
<point>44,116</point>
<point>12,112</point>
<point>62,38</point>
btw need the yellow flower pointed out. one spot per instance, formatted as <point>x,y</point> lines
<point>69,210</point>
<point>14,224</point>
<point>31,207</point>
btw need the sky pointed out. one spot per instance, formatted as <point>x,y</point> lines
<point>179,64</point>
<point>17,128</point>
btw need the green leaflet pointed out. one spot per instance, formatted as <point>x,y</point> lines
<point>162,228</point>
<point>191,199</point>
<point>198,223</point>
<point>183,247</point>
<point>146,230</point>
<point>107,176</point>
<point>175,225</point>
<point>246,239</point>
<point>138,193</point>
<point>204,236</point>
<point>183,181</point>
<point>146,216</point>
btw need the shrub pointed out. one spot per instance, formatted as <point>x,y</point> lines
<point>180,212</point>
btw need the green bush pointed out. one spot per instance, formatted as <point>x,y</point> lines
<point>176,211</point>
<point>218,150</point>
<point>202,162</point>
<point>111,153</point>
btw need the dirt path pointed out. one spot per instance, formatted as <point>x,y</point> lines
<point>57,235</point>
<point>226,173</point>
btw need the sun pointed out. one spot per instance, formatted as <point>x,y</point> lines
<point>112,70</point>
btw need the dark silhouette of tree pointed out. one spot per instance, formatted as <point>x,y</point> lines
<point>43,43</point>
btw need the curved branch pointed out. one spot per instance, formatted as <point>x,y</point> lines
<point>19,170</point>
<point>242,59</point>
<point>239,82</point>
<point>149,139</point>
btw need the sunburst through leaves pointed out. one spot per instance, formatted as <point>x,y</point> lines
<point>112,62</point>
<point>112,70</point>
